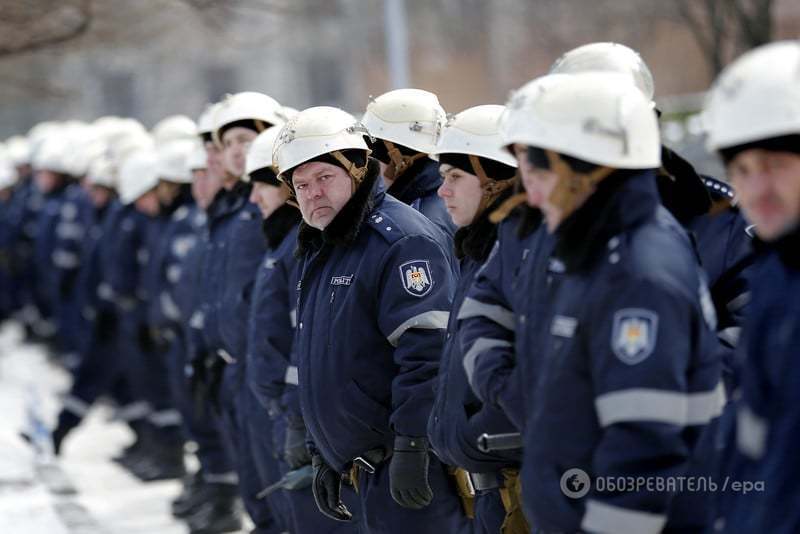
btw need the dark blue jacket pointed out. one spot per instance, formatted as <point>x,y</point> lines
<point>234,248</point>
<point>72,228</point>
<point>178,236</point>
<point>44,246</point>
<point>622,376</point>
<point>374,299</point>
<point>768,419</point>
<point>458,417</point>
<point>273,317</point>
<point>418,188</point>
<point>494,310</point>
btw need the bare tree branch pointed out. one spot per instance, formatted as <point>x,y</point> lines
<point>30,26</point>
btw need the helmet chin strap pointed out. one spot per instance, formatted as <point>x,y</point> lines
<point>572,188</point>
<point>399,162</point>
<point>356,173</point>
<point>491,188</point>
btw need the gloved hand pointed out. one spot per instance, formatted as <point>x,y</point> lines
<point>408,473</point>
<point>66,422</point>
<point>327,488</point>
<point>105,324</point>
<point>294,448</point>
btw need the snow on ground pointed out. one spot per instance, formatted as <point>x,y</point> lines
<point>108,499</point>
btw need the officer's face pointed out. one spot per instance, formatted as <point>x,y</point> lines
<point>767,186</point>
<point>539,185</point>
<point>148,203</point>
<point>100,195</point>
<point>235,142</point>
<point>268,197</point>
<point>322,190</point>
<point>214,161</point>
<point>461,193</point>
<point>46,181</point>
<point>204,186</point>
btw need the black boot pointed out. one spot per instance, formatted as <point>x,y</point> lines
<point>165,462</point>
<point>195,492</point>
<point>222,512</point>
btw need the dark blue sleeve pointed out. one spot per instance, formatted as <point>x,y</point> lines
<point>415,322</point>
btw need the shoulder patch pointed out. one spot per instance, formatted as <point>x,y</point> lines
<point>385,226</point>
<point>416,277</point>
<point>633,336</point>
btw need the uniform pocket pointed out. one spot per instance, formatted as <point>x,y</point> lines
<point>365,411</point>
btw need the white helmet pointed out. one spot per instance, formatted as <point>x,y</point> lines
<point>317,131</point>
<point>259,155</point>
<point>205,123</point>
<point>475,131</point>
<point>8,175</point>
<point>52,155</point>
<point>598,117</point>
<point>607,57</point>
<point>127,145</point>
<point>197,159</point>
<point>249,105</point>
<point>172,160</point>
<point>408,117</point>
<point>102,173</point>
<point>173,128</point>
<point>19,150</point>
<point>137,175</point>
<point>756,97</point>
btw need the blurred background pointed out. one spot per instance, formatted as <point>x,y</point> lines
<point>81,59</point>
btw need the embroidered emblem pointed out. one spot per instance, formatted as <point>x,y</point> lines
<point>416,277</point>
<point>633,337</point>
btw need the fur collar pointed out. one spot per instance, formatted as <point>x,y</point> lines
<point>280,223</point>
<point>621,201</point>
<point>476,240</point>
<point>418,180</point>
<point>344,228</point>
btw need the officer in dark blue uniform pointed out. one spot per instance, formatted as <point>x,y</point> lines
<point>623,367</point>
<point>270,371</point>
<point>751,126</point>
<point>96,372</point>
<point>7,181</point>
<point>374,298</point>
<point>209,501</point>
<point>234,249</point>
<point>405,125</point>
<point>478,177</point>
<point>52,179</point>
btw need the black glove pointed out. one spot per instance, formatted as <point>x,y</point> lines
<point>408,473</point>
<point>215,369</point>
<point>105,325</point>
<point>327,489</point>
<point>294,447</point>
<point>66,422</point>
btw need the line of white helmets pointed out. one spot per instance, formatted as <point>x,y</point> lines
<point>595,104</point>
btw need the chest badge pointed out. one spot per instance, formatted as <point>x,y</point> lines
<point>633,337</point>
<point>416,277</point>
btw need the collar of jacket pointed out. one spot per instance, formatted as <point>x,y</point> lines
<point>183,198</point>
<point>228,201</point>
<point>787,248</point>
<point>681,189</point>
<point>344,228</point>
<point>280,223</point>
<point>419,180</point>
<point>476,240</point>
<point>621,201</point>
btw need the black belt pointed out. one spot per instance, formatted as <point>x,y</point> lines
<point>484,481</point>
<point>370,460</point>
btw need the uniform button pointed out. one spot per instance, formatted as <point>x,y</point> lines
<point>614,257</point>
<point>300,326</point>
<point>388,228</point>
<point>613,243</point>
<point>522,319</point>
<point>448,336</point>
